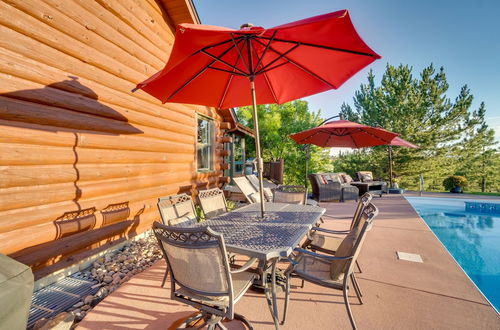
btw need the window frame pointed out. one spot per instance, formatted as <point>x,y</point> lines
<point>210,144</point>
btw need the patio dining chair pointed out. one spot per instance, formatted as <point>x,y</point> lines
<point>332,271</point>
<point>200,274</point>
<point>176,210</point>
<point>212,202</point>
<point>327,240</point>
<point>254,180</point>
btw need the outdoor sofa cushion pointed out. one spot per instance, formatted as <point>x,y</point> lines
<point>346,178</point>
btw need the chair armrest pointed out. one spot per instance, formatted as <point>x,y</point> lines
<point>331,216</point>
<point>331,231</point>
<point>247,265</point>
<point>322,256</point>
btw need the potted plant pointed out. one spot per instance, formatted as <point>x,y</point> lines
<point>455,183</point>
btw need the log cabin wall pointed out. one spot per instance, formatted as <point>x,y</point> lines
<point>82,159</point>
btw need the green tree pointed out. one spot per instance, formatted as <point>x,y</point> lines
<point>477,155</point>
<point>276,124</point>
<point>418,109</point>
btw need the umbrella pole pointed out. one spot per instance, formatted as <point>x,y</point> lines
<point>257,146</point>
<point>306,169</point>
<point>389,150</point>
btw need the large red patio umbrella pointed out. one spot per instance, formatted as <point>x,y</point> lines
<point>224,68</point>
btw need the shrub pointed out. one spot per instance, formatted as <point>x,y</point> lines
<point>454,181</point>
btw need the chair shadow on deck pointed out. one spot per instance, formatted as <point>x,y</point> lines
<point>79,237</point>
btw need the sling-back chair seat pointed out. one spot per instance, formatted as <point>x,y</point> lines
<point>241,283</point>
<point>212,202</point>
<point>328,241</point>
<point>316,270</point>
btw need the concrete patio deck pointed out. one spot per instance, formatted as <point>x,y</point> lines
<point>435,294</point>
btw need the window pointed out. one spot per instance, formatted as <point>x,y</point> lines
<point>239,154</point>
<point>205,144</point>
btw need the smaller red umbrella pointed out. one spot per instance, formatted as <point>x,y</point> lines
<point>344,133</point>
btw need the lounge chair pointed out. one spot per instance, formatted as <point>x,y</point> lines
<point>332,271</point>
<point>176,210</point>
<point>268,186</point>
<point>254,180</point>
<point>252,195</point>
<point>212,202</point>
<point>201,275</point>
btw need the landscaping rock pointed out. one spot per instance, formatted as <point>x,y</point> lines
<point>62,321</point>
<point>79,304</point>
<point>40,323</point>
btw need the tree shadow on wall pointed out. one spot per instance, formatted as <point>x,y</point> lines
<point>65,106</point>
<point>64,123</point>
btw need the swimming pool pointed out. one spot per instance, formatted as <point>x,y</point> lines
<point>472,238</point>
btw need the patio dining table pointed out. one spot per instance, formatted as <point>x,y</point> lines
<point>267,239</point>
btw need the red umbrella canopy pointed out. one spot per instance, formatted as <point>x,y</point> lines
<point>344,133</point>
<point>402,143</point>
<point>212,65</point>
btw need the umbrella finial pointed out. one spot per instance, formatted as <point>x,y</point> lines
<point>246,26</point>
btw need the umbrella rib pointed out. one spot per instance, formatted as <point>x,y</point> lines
<point>353,141</point>
<point>377,137</point>
<point>274,67</point>
<point>283,55</point>
<point>301,67</point>
<point>226,89</point>
<point>270,87</point>
<point>334,132</point>
<point>239,51</point>
<point>222,61</point>
<point>308,137</point>
<point>323,47</point>
<point>265,76</point>
<point>329,137</point>
<point>228,71</point>
<point>197,74</point>
<point>265,51</point>
<point>223,98</point>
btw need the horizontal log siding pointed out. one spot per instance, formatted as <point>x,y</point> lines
<point>73,136</point>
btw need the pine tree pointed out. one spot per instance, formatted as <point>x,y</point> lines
<point>477,155</point>
<point>420,110</point>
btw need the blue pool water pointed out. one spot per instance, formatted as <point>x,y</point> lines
<point>472,238</point>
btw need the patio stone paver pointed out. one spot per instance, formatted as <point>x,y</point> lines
<point>397,294</point>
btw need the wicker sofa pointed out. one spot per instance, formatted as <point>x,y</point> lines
<point>332,187</point>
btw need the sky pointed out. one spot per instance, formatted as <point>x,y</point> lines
<point>462,36</point>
